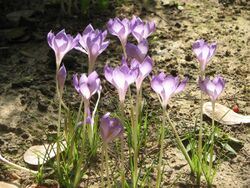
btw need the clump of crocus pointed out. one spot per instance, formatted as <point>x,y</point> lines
<point>92,42</point>
<point>166,86</point>
<point>110,129</point>
<point>204,52</point>
<point>86,86</point>
<point>61,43</point>
<point>139,51</point>
<point>141,30</point>
<point>121,29</point>
<point>121,77</point>
<point>213,88</point>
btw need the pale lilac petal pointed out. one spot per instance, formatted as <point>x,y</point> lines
<point>146,67</point>
<point>156,85</point>
<point>83,79</point>
<point>119,78</point>
<point>85,92</point>
<point>75,82</point>
<point>181,86</point>
<point>108,73</point>
<point>50,37</point>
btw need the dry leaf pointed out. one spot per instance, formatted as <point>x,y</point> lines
<point>224,115</point>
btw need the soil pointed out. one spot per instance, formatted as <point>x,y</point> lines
<point>28,108</point>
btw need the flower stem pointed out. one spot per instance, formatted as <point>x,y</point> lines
<point>134,131</point>
<point>180,144</point>
<point>122,162</point>
<point>102,168</point>
<point>106,163</point>
<point>200,135</point>
<point>58,127</point>
<point>212,143</point>
<point>79,111</point>
<point>124,51</point>
<point>162,135</point>
<point>81,158</point>
<point>122,146</point>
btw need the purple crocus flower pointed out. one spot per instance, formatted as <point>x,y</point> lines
<point>61,43</point>
<point>110,128</point>
<point>166,86</point>
<point>144,69</point>
<point>141,30</point>
<point>61,77</point>
<point>92,42</point>
<point>204,52</point>
<point>138,52</point>
<point>121,77</point>
<point>87,86</point>
<point>120,28</point>
<point>212,88</point>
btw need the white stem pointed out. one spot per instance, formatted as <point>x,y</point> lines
<point>95,109</point>
<point>17,166</point>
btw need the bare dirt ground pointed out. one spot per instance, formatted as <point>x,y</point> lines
<point>27,87</point>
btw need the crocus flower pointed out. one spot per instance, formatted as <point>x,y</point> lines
<point>110,128</point>
<point>204,52</point>
<point>144,69</point>
<point>166,86</point>
<point>121,77</point>
<point>87,86</point>
<point>138,52</point>
<point>61,43</point>
<point>120,28</point>
<point>212,88</point>
<point>92,42</point>
<point>61,77</point>
<point>141,30</point>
